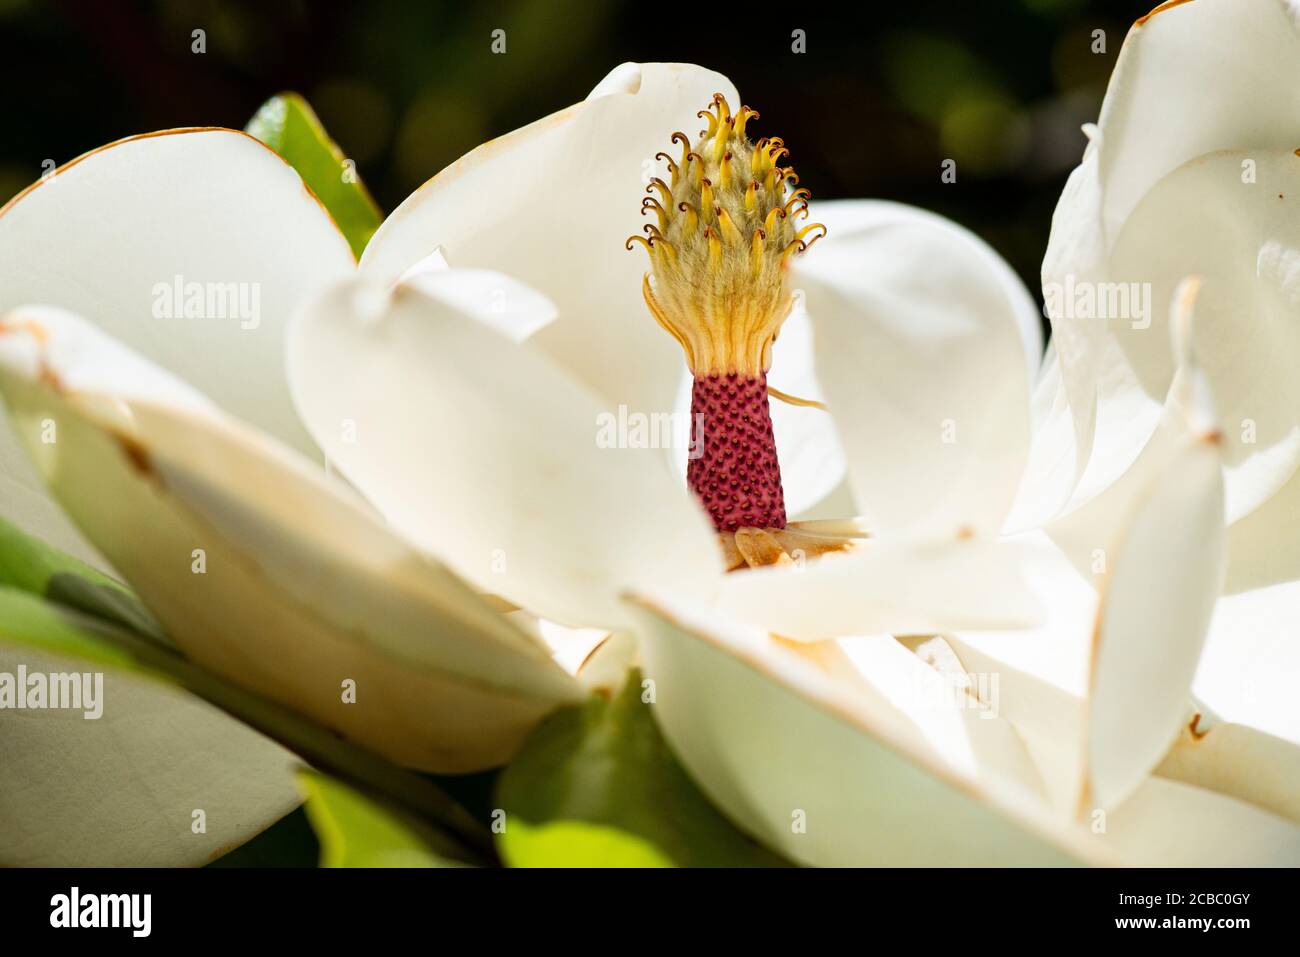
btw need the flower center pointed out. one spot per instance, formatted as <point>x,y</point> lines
<point>727,227</point>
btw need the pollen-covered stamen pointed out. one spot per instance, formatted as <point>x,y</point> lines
<point>718,255</point>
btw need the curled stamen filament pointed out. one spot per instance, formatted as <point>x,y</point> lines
<point>729,231</point>
<point>672,167</point>
<point>806,230</point>
<point>724,172</point>
<point>692,218</point>
<point>664,191</point>
<point>756,252</point>
<point>650,202</point>
<point>743,116</point>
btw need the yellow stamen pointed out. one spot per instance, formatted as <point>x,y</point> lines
<point>756,253</point>
<point>729,231</point>
<point>724,231</point>
<point>744,116</point>
<point>664,191</point>
<point>715,249</point>
<point>725,176</point>
<point>651,203</point>
<point>692,221</point>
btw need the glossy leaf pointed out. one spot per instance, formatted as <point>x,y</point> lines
<point>356,831</point>
<point>30,565</point>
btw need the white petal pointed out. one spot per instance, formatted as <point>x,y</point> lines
<point>1100,691</point>
<point>495,299</point>
<point>887,586</point>
<point>265,572</point>
<point>113,228</point>
<point>1053,469</point>
<point>121,790</point>
<point>1240,762</point>
<point>110,233</point>
<point>484,453</point>
<point>1243,240</point>
<point>1161,583</point>
<point>553,203</point>
<point>835,775</point>
<point>1251,661</point>
<point>1171,824</point>
<point>850,215</point>
<point>1192,78</point>
<point>920,354</point>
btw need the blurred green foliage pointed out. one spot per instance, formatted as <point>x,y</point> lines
<point>882,95</point>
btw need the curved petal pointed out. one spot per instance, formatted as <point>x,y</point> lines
<point>889,767</point>
<point>837,775</point>
<point>553,203</point>
<point>1191,79</point>
<point>920,353</point>
<point>887,587</point>
<point>267,573</point>
<point>484,453</point>
<point>1243,241</point>
<point>1240,762</point>
<point>121,790</point>
<point>111,235</point>
<point>1172,824</point>
<point>191,246</point>
<point>1252,656</point>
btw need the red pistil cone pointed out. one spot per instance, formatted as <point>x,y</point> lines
<point>735,471</point>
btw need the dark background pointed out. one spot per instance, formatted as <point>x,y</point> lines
<point>882,96</point>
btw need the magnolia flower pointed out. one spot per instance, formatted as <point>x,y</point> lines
<point>1192,169</point>
<point>461,408</point>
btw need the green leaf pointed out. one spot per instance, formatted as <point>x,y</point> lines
<point>28,564</point>
<point>355,831</point>
<point>596,785</point>
<point>290,127</point>
<point>29,620</point>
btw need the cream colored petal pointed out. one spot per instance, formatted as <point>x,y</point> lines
<point>1170,824</point>
<point>1129,583</point>
<point>112,233</point>
<point>121,790</point>
<point>486,454</point>
<point>1052,469</point>
<point>552,204</point>
<point>1191,79</point>
<point>1238,761</point>
<point>828,775</point>
<point>887,586</point>
<point>1243,240</point>
<point>920,353</point>
<point>882,768</point>
<point>1251,662</point>
<point>269,574</point>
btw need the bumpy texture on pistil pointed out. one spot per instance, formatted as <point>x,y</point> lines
<point>727,225</point>
<point>736,474</point>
